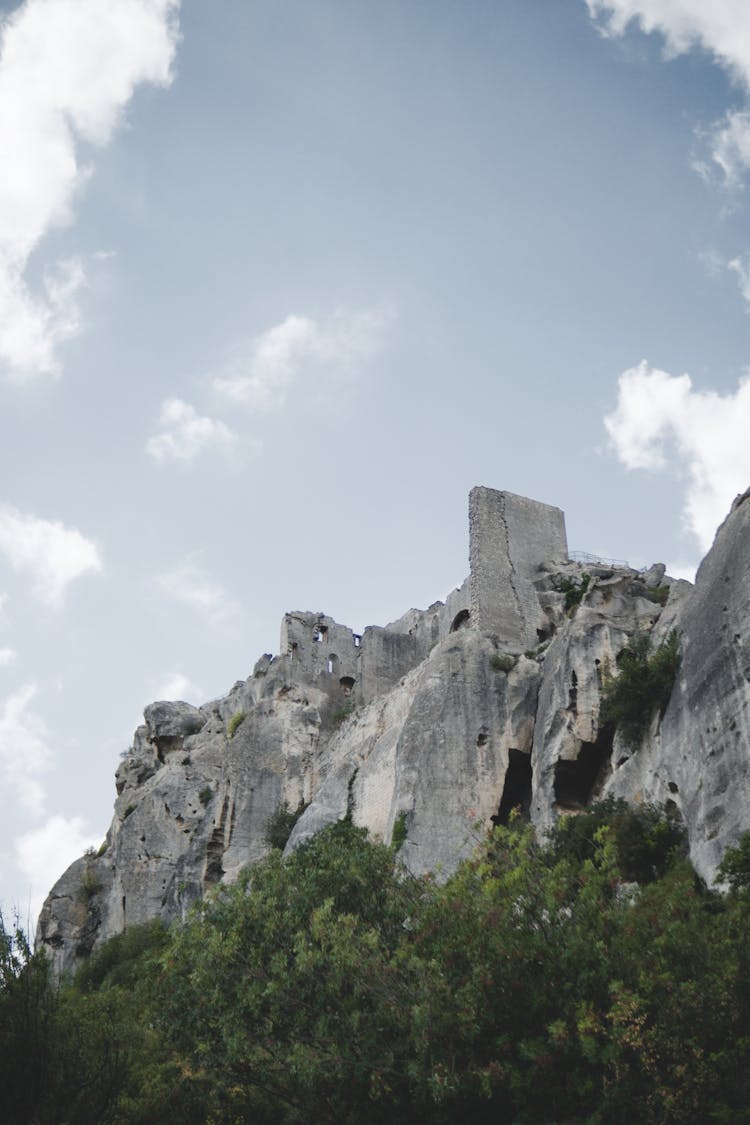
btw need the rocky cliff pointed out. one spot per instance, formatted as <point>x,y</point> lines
<point>428,729</point>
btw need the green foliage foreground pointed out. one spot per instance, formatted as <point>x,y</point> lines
<point>539,984</point>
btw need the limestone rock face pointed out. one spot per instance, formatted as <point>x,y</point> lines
<point>436,725</point>
<point>435,750</point>
<point>699,757</point>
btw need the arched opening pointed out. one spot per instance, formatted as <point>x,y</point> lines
<point>347,684</point>
<point>460,621</point>
<point>333,663</point>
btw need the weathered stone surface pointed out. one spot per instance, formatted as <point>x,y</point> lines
<point>698,758</point>
<point>510,538</point>
<point>169,724</point>
<point>436,749</point>
<point>444,720</point>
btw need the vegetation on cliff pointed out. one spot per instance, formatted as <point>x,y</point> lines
<point>642,685</point>
<point>588,978</point>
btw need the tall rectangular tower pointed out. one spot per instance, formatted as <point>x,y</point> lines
<point>510,536</point>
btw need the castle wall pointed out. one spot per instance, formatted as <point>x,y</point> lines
<point>316,645</point>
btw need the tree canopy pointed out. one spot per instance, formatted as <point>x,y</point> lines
<point>588,977</point>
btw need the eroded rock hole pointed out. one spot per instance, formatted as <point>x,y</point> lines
<point>578,781</point>
<point>516,789</point>
<point>573,693</point>
<point>460,620</point>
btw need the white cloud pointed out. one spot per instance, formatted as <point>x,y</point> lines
<point>682,570</point>
<point>53,554</point>
<point>176,686</point>
<point>185,433</point>
<point>68,69</point>
<point>720,27</point>
<point>261,373</point>
<point>741,267</point>
<point>706,432</point>
<point>7,656</point>
<point>44,854</point>
<point>189,584</point>
<point>24,753</point>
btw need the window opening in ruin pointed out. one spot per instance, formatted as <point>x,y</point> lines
<point>516,788</point>
<point>333,663</point>
<point>578,781</point>
<point>347,684</point>
<point>319,634</point>
<point>293,650</point>
<point>460,620</point>
<point>357,639</point>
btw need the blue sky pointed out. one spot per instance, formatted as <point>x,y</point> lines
<point>281,280</point>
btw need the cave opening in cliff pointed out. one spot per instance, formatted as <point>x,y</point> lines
<point>516,789</point>
<point>578,781</point>
<point>460,621</point>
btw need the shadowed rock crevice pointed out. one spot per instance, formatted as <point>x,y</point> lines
<point>578,781</point>
<point>516,789</point>
<point>215,849</point>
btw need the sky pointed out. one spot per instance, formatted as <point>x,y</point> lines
<point>281,280</point>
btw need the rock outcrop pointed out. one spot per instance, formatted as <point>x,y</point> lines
<point>431,728</point>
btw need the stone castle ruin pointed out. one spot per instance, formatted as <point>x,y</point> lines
<point>510,539</point>
<point>437,725</point>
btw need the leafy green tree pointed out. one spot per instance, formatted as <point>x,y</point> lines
<point>290,991</point>
<point>647,841</point>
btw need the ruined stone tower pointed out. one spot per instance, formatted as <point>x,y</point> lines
<point>510,537</point>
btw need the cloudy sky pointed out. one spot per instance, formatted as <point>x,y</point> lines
<point>280,280</point>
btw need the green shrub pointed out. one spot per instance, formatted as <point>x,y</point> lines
<point>89,886</point>
<point>573,588</point>
<point>205,795</point>
<point>657,594</point>
<point>235,723</point>
<point>643,684</point>
<point>734,868</point>
<point>119,961</point>
<point>400,831</point>
<point>128,811</point>
<point>647,841</point>
<point>502,662</point>
<point>279,826</point>
<point>341,714</point>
